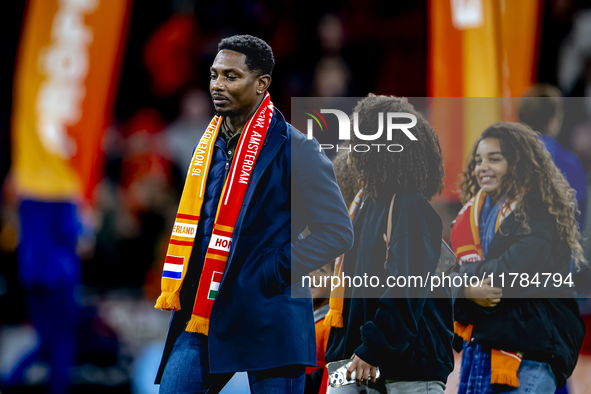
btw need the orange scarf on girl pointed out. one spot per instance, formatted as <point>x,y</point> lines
<point>334,317</point>
<point>465,240</point>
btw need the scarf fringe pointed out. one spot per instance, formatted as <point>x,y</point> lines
<point>508,378</point>
<point>198,324</point>
<point>333,319</point>
<point>168,302</point>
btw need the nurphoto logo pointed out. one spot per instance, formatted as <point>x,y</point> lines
<point>345,129</point>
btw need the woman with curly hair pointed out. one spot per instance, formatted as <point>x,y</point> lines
<point>518,221</point>
<point>400,329</point>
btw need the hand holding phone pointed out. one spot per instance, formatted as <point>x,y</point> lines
<point>337,373</point>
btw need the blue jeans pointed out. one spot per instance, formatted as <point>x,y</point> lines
<point>187,372</point>
<point>534,377</point>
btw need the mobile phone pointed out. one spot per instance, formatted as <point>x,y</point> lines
<point>337,373</point>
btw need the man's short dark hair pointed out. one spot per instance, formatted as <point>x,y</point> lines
<point>259,55</point>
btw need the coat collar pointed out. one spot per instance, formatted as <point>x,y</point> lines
<point>276,137</point>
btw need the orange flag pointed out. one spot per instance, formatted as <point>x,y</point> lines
<point>65,82</point>
<point>477,48</point>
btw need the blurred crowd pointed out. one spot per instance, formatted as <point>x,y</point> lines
<point>324,49</point>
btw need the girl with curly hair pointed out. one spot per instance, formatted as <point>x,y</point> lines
<point>518,221</point>
<point>401,330</point>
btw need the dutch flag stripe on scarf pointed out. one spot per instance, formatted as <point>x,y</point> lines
<point>173,267</point>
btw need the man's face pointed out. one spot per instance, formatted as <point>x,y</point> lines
<point>232,85</point>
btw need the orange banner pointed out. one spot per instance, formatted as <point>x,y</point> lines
<point>478,48</point>
<point>65,79</point>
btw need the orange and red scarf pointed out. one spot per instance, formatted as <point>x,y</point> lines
<point>187,219</point>
<point>465,239</point>
<point>334,317</point>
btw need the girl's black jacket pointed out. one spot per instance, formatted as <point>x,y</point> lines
<point>534,316</point>
<point>405,330</point>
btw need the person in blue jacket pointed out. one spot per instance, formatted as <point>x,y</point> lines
<point>541,108</point>
<point>255,324</point>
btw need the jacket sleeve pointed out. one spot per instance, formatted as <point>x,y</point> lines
<point>316,203</point>
<point>395,324</point>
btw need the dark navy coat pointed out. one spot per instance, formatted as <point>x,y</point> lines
<point>255,322</point>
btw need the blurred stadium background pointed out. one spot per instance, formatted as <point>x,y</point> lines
<point>102,101</point>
